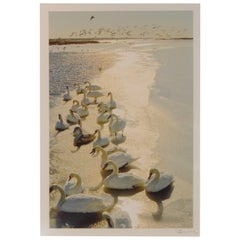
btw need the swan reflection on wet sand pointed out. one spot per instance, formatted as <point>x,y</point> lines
<point>158,198</point>
<point>74,220</point>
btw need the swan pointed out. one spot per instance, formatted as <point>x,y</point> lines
<point>111,104</point>
<point>118,139</point>
<point>120,159</point>
<point>75,105</point>
<point>72,117</point>
<point>85,100</point>
<point>61,125</point>
<point>95,95</point>
<point>79,130</point>
<point>79,90</point>
<point>103,118</point>
<point>67,96</point>
<point>158,181</point>
<point>116,124</point>
<point>83,111</point>
<point>101,141</point>
<point>118,180</point>
<point>73,187</point>
<point>92,87</point>
<point>102,107</point>
<point>82,139</point>
<point>120,219</point>
<point>82,203</point>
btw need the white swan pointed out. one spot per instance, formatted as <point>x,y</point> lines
<point>82,203</point>
<point>120,159</point>
<point>75,105</point>
<point>95,95</point>
<point>72,117</point>
<point>83,111</point>
<point>73,187</point>
<point>158,181</point>
<point>102,107</point>
<point>79,90</point>
<point>101,141</point>
<point>103,118</point>
<point>61,125</point>
<point>118,219</point>
<point>92,87</point>
<point>67,96</point>
<point>111,104</point>
<point>116,124</point>
<point>85,100</point>
<point>118,180</point>
<point>118,139</point>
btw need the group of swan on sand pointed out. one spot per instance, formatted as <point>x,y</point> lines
<point>77,198</point>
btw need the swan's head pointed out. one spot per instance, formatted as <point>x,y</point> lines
<point>108,218</point>
<point>60,117</point>
<point>77,131</point>
<point>53,187</point>
<point>75,101</point>
<point>153,171</point>
<point>95,151</point>
<point>79,123</point>
<point>107,163</point>
<point>73,175</point>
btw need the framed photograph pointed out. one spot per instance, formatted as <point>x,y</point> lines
<point>120,119</point>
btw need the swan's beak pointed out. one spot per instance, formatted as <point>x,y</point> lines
<point>149,176</point>
<point>50,189</point>
<point>69,178</point>
<point>104,166</point>
<point>93,151</point>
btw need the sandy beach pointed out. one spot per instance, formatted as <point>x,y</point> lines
<point>151,82</point>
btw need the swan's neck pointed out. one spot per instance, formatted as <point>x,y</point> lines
<point>111,98</point>
<point>99,134</point>
<point>115,170</point>
<point>67,90</point>
<point>78,183</point>
<point>98,186</point>
<point>60,118</point>
<point>104,155</point>
<point>62,198</point>
<point>155,176</point>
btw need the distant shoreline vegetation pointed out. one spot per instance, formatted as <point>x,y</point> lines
<point>66,41</point>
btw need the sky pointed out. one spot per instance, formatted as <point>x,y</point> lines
<point>121,24</point>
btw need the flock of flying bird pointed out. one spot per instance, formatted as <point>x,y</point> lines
<point>76,198</point>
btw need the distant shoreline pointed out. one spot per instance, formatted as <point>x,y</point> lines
<point>63,41</point>
<point>66,41</point>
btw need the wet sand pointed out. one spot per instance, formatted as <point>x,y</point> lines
<point>159,132</point>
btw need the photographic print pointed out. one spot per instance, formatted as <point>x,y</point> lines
<point>120,119</point>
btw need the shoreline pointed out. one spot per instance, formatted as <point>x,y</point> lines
<point>68,41</point>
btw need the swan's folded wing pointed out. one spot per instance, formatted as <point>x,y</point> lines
<point>124,181</point>
<point>164,181</point>
<point>86,203</point>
